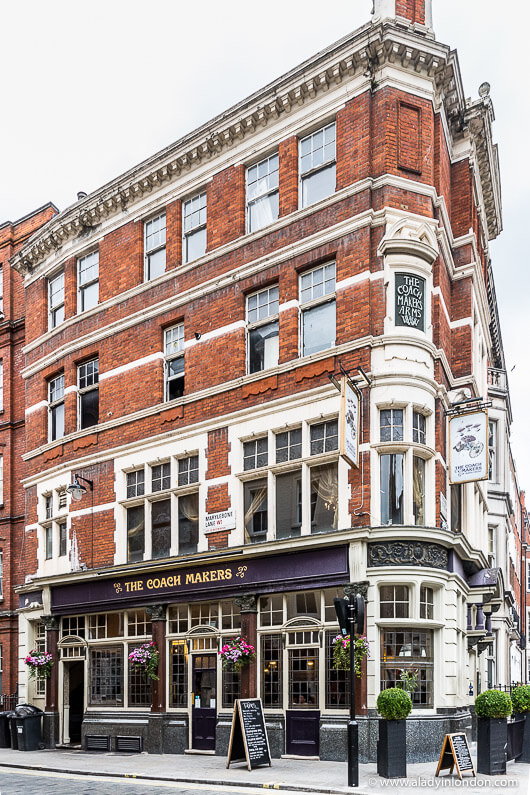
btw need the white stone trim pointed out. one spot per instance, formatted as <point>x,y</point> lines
<point>124,368</point>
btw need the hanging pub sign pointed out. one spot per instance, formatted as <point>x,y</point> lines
<point>349,423</point>
<point>468,447</point>
<point>410,301</point>
<point>248,736</point>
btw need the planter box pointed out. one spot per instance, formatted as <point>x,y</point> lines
<point>392,749</point>
<point>525,753</point>
<point>492,739</point>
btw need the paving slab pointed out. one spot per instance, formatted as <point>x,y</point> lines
<point>287,774</point>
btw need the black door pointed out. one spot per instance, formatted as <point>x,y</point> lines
<point>204,709</point>
<point>76,699</point>
<point>302,732</point>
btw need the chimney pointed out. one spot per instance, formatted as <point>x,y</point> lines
<point>414,11</point>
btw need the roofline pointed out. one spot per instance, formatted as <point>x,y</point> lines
<point>30,215</point>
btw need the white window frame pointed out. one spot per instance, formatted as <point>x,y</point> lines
<point>54,305</point>
<point>267,186</point>
<point>85,265</point>
<point>307,173</point>
<point>196,205</point>
<point>157,246</point>
<point>263,314</point>
<point>53,403</point>
<point>173,351</point>
<point>83,390</point>
<point>308,302</point>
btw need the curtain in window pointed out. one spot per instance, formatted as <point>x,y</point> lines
<point>189,507</point>
<point>418,490</point>
<point>259,503</point>
<point>324,497</point>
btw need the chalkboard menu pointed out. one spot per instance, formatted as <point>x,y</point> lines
<point>410,301</point>
<point>455,753</point>
<point>248,736</point>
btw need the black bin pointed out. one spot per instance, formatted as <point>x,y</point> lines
<point>11,719</point>
<point>5,731</point>
<point>28,720</point>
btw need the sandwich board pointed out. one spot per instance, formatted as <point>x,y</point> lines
<point>455,753</point>
<point>248,735</point>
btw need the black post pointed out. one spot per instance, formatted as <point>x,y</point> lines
<point>353,728</point>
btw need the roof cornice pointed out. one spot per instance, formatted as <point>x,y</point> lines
<point>363,52</point>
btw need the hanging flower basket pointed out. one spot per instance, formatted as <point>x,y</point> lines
<point>40,664</point>
<point>236,654</point>
<point>145,660</point>
<point>341,652</point>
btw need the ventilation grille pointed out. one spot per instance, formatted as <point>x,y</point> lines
<point>97,742</point>
<point>133,745</point>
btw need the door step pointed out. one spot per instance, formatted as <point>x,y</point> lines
<point>199,753</point>
<point>69,746</point>
<point>298,756</point>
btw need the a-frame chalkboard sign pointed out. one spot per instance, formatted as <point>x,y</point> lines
<point>455,753</point>
<point>248,735</point>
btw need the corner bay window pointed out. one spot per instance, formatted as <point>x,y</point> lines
<point>406,651</point>
<point>262,329</point>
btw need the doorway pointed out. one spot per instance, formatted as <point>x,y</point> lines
<point>204,702</point>
<point>73,701</point>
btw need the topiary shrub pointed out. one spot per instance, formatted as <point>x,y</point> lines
<point>521,699</point>
<point>394,703</point>
<point>493,704</point>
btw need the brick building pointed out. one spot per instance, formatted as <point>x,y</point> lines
<point>12,237</point>
<point>184,326</point>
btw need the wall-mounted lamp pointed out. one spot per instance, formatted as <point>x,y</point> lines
<point>76,489</point>
<point>198,335</point>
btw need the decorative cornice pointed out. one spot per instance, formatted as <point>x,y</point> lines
<point>362,53</point>
<point>408,553</point>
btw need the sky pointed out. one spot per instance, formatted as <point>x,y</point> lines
<point>91,89</point>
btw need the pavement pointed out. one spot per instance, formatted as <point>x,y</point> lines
<point>298,775</point>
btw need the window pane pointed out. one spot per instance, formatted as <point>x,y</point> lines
<point>255,496</point>
<point>318,185</point>
<point>418,490</point>
<point>303,603</point>
<point>63,538</point>
<point>289,504</point>
<point>57,422</point>
<point>318,328</point>
<point>271,680</point>
<point>156,263</point>
<point>140,687</point>
<point>263,212</point>
<point>161,528</point>
<point>135,533</point>
<point>324,498</point>
<point>89,296</point>
<point>188,523</point>
<point>106,676</point>
<point>195,244</point>
<point>263,345</point>
<point>178,687</point>
<point>255,454</point>
<point>391,489</point>
<point>337,681</point>
<point>324,437</point>
<point>303,677</point>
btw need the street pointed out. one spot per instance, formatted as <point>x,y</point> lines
<point>22,782</point>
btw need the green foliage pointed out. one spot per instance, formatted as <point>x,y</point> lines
<point>394,703</point>
<point>521,699</point>
<point>341,652</point>
<point>493,704</point>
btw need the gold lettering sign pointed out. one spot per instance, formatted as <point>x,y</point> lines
<point>176,580</point>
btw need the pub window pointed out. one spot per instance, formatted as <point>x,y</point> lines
<point>139,686</point>
<point>105,625</point>
<point>263,330</point>
<point>231,688</point>
<point>288,445</point>
<point>231,615</point>
<point>155,247</point>
<point>271,611</point>
<point>324,437</point>
<point>337,681</point>
<point>138,623</point>
<point>161,477</point>
<point>418,490</point>
<point>205,613</point>
<point>317,306</point>
<point>178,685</point>
<point>394,601</point>
<point>391,485</point>
<point>418,427</point>
<point>88,394</point>
<point>178,619</point>
<point>271,679</point>
<point>73,625</point>
<point>174,361</point>
<point>426,602</point>
<point>406,651</point>
<point>106,676</point>
<point>188,470</point>
<point>303,603</point>
<point>255,454</point>
<point>39,644</point>
<point>391,425</point>
<point>303,676</point>
<point>255,506</point>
